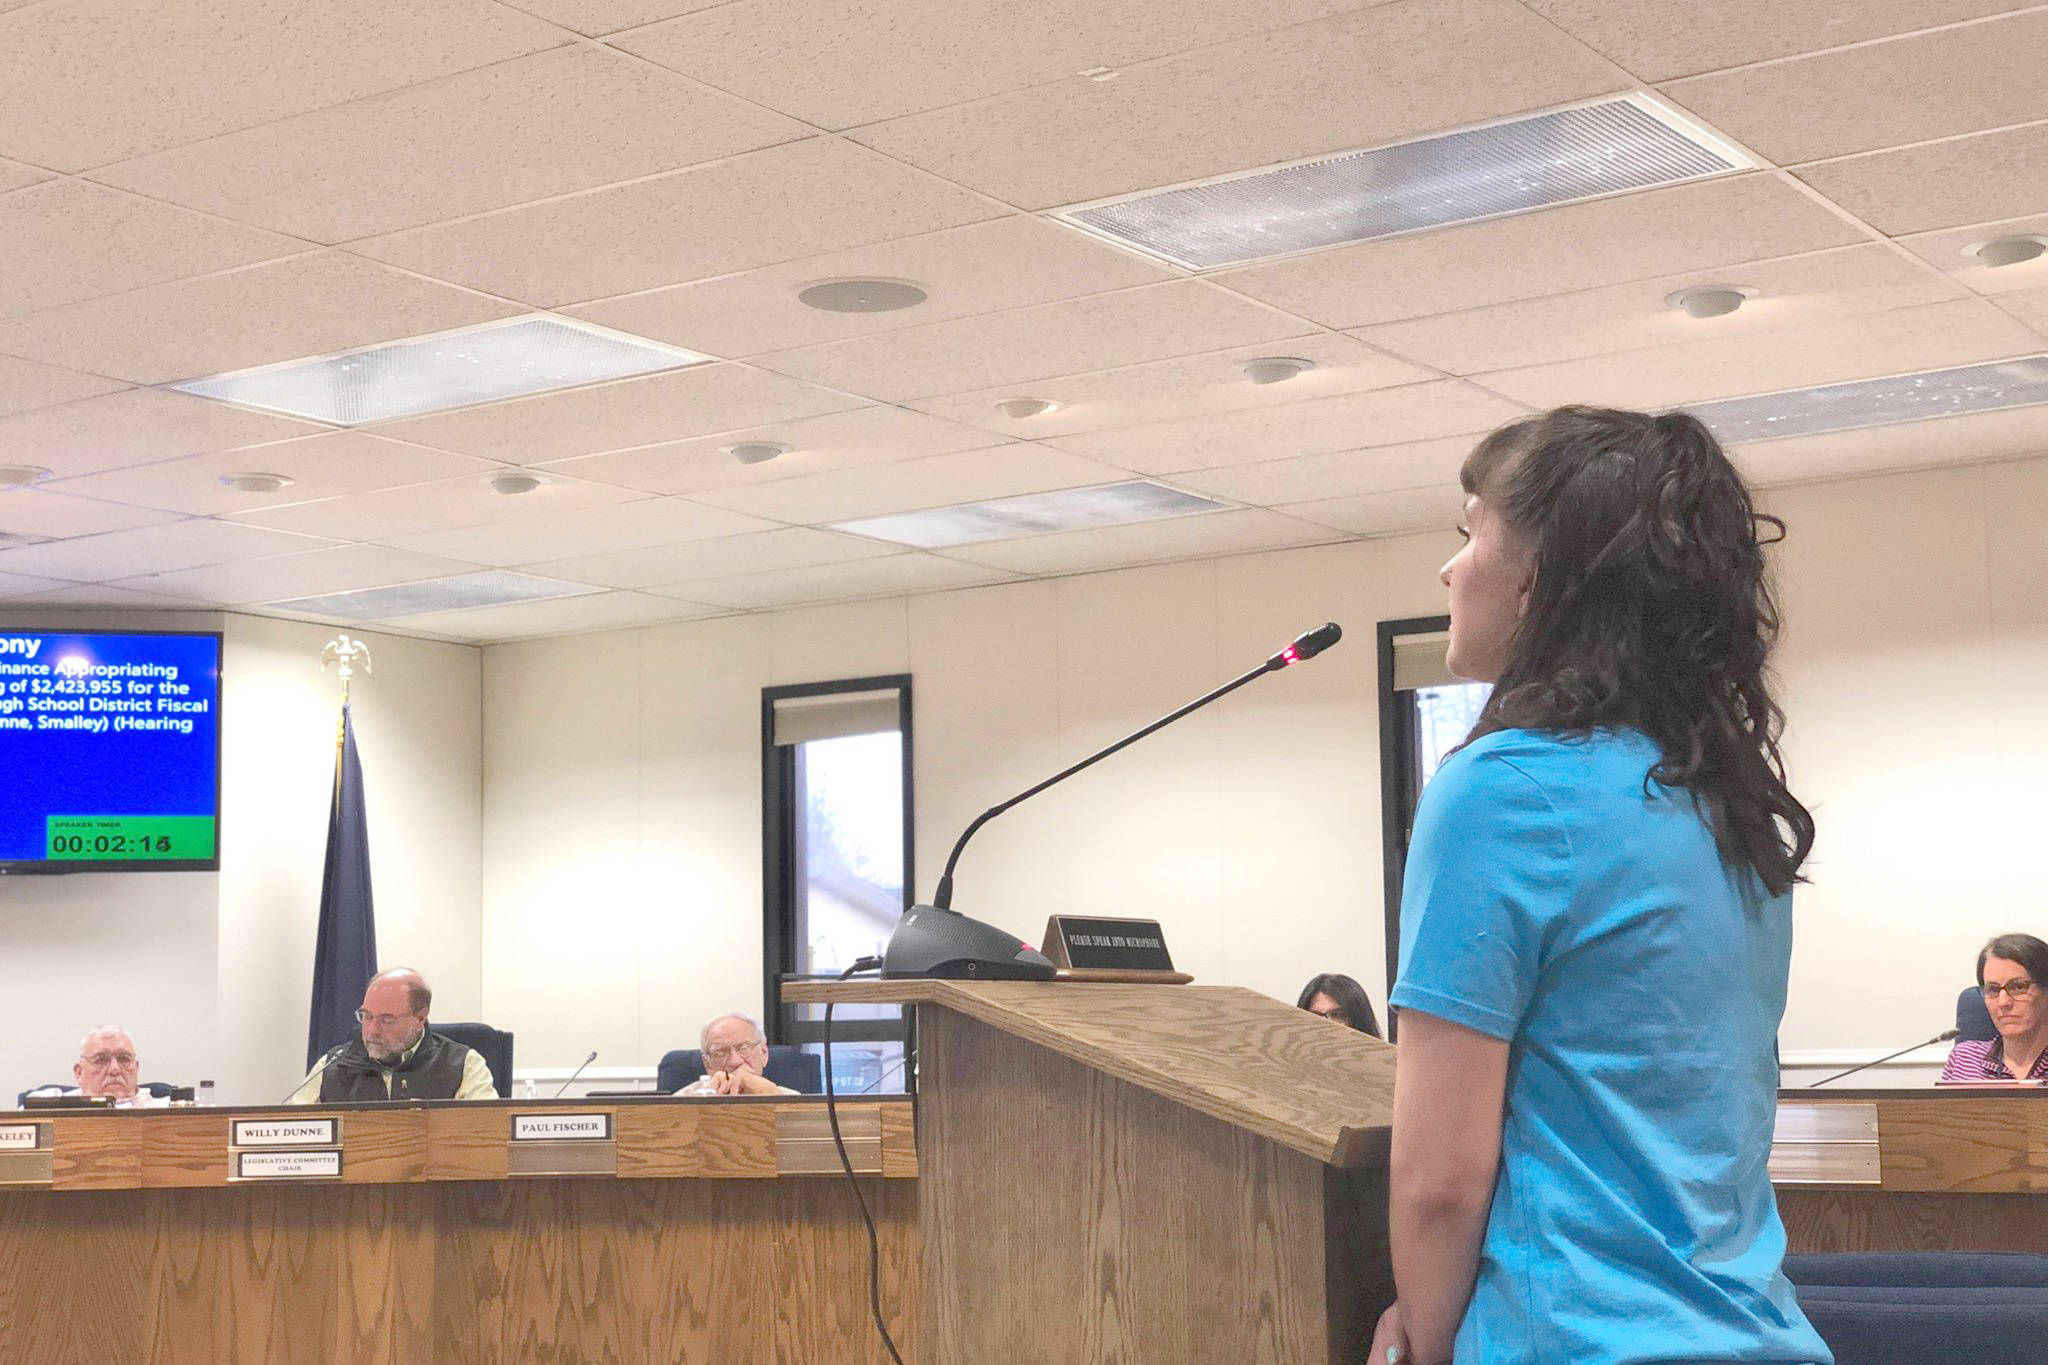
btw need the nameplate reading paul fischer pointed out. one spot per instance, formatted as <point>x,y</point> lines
<point>284,1132</point>
<point>561,1127</point>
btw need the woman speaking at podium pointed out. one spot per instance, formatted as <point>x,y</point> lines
<point>1596,923</point>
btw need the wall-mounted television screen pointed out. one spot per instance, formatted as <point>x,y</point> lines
<point>109,751</point>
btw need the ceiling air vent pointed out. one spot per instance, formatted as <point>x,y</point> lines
<point>1878,402</point>
<point>1032,514</point>
<point>1612,146</point>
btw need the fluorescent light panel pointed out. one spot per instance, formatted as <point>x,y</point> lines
<point>1612,146</point>
<point>493,588</point>
<point>1879,402</point>
<point>1032,514</point>
<point>498,360</point>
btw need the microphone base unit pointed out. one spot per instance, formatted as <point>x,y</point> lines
<point>931,942</point>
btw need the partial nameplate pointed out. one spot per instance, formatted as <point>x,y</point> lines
<point>1097,944</point>
<point>561,1127</point>
<point>21,1137</point>
<point>288,1165</point>
<point>284,1133</point>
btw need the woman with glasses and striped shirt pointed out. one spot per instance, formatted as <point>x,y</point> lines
<point>2012,971</point>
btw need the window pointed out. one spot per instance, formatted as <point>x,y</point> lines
<point>836,810</point>
<point>1424,714</point>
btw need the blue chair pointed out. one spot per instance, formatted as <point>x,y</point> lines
<point>159,1089</point>
<point>1911,1307</point>
<point>1973,1017</point>
<point>493,1045</point>
<point>801,1071</point>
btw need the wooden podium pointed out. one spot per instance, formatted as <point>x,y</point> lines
<point>1142,1173</point>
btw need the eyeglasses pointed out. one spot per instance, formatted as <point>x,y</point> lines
<point>381,1020</point>
<point>2017,989</point>
<point>1337,1015</point>
<point>111,1059</point>
<point>724,1050</point>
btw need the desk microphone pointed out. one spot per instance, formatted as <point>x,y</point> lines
<point>1864,1066</point>
<point>937,940</point>
<point>574,1074</point>
<point>329,1060</point>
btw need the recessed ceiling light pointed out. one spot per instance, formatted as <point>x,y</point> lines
<point>1608,146</point>
<point>1710,300</point>
<point>1276,369</point>
<point>2007,250</point>
<point>1101,73</point>
<point>861,296</point>
<point>1879,402</point>
<point>509,359</point>
<point>1032,514</point>
<point>756,452</point>
<point>512,482</point>
<point>255,483</point>
<point>21,475</point>
<point>489,588</point>
<point>1017,409</point>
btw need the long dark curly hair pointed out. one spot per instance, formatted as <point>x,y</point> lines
<point>1651,608</point>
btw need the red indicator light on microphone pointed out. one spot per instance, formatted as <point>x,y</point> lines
<point>1289,655</point>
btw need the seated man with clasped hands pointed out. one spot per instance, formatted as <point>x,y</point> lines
<point>735,1053</point>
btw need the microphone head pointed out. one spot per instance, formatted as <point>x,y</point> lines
<point>1308,644</point>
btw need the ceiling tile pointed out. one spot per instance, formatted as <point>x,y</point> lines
<point>305,306</point>
<point>908,485</point>
<point>106,595</point>
<point>1790,293</point>
<point>794,547</point>
<point>583,531</point>
<point>25,384</point>
<point>323,466</point>
<point>1183,387</point>
<point>2017,433</point>
<point>38,512</point>
<point>315,573</point>
<point>598,17</point>
<point>1908,339</point>
<point>1337,474</point>
<point>1151,322</point>
<point>14,586</point>
<point>842,65</point>
<point>555,616</point>
<point>446,504</point>
<point>1346,422</point>
<point>2030,307</point>
<point>1576,246</point>
<point>839,440</point>
<point>152,549</point>
<point>635,412</point>
<point>892,576</point>
<point>1950,251</point>
<point>1274,97</point>
<point>549,124</point>
<point>134,427</point>
<point>95,81</point>
<point>14,175</point>
<point>1954,80</point>
<point>1435,508</point>
<point>781,204</point>
<point>69,241</point>
<point>1660,39</point>
<point>1968,180</point>
<point>1148,542</point>
<point>981,268</point>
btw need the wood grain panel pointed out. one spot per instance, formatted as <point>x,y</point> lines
<point>1322,1089</point>
<point>381,1146</point>
<point>184,1149</point>
<point>899,1141</point>
<point>1952,1143</point>
<point>466,1144</point>
<point>658,1140</point>
<point>1071,1216</point>
<point>1877,1220</point>
<point>739,1143</point>
<point>73,1275</point>
<point>95,1153</point>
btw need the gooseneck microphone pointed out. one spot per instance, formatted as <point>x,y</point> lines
<point>1865,1066</point>
<point>574,1074</point>
<point>936,940</point>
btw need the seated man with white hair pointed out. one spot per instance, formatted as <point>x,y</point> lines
<point>107,1065</point>
<point>735,1054</point>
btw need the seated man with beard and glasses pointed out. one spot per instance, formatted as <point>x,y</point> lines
<point>397,1056</point>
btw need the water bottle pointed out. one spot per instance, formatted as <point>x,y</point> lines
<point>526,1090</point>
<point>205,1097</point>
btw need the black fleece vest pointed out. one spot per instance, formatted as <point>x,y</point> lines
<point>433,1072</point>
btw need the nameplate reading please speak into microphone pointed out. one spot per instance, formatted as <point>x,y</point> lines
<point>1091,943</point>
<point>561,1127</point>
<point>284,1132</point>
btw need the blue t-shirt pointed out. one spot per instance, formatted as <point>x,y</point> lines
<point>1553,902</point>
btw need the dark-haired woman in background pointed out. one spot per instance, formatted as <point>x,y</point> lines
<point>1596,930</point>
<point>2012,971</point>
<point>1340,999</point>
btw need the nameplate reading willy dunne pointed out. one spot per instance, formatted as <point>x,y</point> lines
<point>561,1127</point>
<point>284,1132</point>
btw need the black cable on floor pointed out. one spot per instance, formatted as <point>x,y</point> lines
<point>866,964</point>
